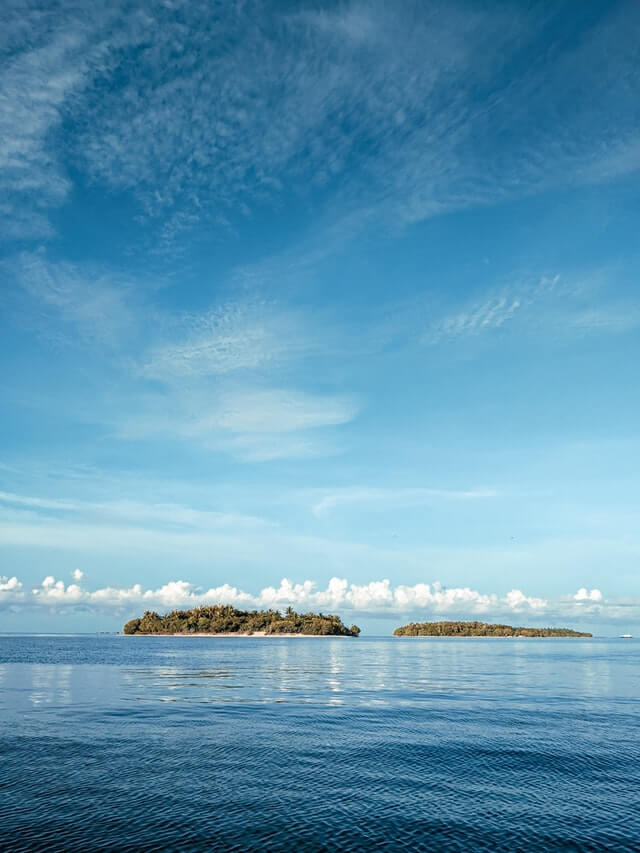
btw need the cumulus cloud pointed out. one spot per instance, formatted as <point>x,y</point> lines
<point>77,575</point>
<point>420,601</point>
<point>583,594</point>
<point>375,596</point>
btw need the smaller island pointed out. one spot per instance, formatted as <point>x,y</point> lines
<point>224,620</point>
<point>479,629</point>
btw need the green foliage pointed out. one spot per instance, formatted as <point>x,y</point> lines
<point>224,619</point>
<point>479,629</point>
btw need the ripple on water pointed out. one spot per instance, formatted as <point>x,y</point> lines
<point>110,745</point>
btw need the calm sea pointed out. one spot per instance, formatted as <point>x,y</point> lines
<point>136,743</point>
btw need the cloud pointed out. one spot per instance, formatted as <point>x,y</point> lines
<point>231,337</point>
<point>277,411</point>
<point>375,596</point>
<point>584,594</point>
<point>490,314</point>
<point>50,57</point>
<point>614,318</point>
<point>423,601</point>
<point>398,116</point>
<point>163,515</point>
<point>78,575</point>
<point>33,89</point>
<point>253,424</point>
<point>68,302</point>
<point>11,586</point>
<point>493,311</point>
<point>399,497</point>
<point>37,503</point>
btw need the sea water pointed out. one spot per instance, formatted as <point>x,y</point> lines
<point>161,743</point>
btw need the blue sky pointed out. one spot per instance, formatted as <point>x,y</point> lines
<point>341,294</point>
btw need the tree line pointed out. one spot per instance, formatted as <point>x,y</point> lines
<point>479,629</point>
<point>224,619</point>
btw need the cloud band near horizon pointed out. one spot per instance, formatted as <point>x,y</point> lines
<point>376,597</point>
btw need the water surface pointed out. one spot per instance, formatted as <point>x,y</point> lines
<point>159,743</point>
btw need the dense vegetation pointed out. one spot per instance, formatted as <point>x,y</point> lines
<point>224,619</point>
<point>479,629</point>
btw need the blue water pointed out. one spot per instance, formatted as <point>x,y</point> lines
<point>136,743</point>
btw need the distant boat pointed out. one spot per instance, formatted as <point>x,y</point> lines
<point>626,637</point>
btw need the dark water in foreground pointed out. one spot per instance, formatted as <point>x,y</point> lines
<point>134,743</point>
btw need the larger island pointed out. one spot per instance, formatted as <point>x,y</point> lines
<point>479,629</point>
<point>221,619</point>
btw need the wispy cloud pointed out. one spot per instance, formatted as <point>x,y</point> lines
<point>611,318</point>
<point>256,424</point>
<point>385,498</point>
<point>404,114</point>
<point>167,516</point>
<point>50,56</point>
<point>33,87</point>
<point>70,303</point>
<point>493,311</point>
<point>236,336</point>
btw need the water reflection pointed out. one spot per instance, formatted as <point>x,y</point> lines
<point>356,673</point>
<point>289,744</point>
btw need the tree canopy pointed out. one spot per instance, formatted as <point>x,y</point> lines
<point>479,629</point>
<point>224,619</point>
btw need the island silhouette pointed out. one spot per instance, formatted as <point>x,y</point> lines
<point>224,620</point>
<point>480,629</point>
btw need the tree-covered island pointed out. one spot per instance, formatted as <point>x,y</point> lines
<point>479,629</point>
<point>224,619</point>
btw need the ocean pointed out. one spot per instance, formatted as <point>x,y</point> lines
<point>159,743</point>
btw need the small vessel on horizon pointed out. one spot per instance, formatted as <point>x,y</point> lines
<point>626,637</point>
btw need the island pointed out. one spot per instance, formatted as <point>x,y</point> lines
<point>479,629</point>
<point>224,620</point>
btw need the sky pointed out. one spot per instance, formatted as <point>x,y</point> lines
<point>325,304</point>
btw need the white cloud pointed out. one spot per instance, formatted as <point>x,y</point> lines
<point>149,515</point>
<point>491,312</point>
<point>281,410</point>
<point>375,596</point>
<point>380,107</point>
<point>607,318</point>
<point>10,585</point>
<point>422,601</point>
<point>33,88</point>
<point>37,503</point>
<point>68,302</point>
<point>231,337</point>
<point>77,575</point>
<point>398,497</point>
<point>583,594</point>
<point>252,424</point>
<point>516,600</point>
